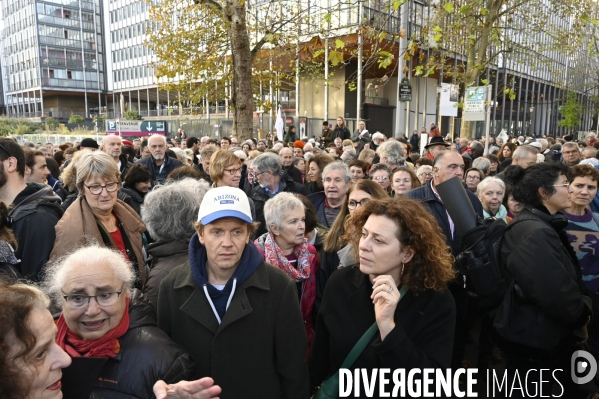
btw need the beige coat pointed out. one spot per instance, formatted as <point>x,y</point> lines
<point>78,227</point>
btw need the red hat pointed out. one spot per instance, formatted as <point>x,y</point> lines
<point>299,144</point>
<point>127,142</point>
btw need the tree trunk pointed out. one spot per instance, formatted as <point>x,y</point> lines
<point>242,99</point>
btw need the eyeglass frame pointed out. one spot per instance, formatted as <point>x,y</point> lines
<point>102,187</point>
<point>234,171</point>
<point>377,178</point>
<point>427,174</point>
<point>357,203</point>
<point>89,297</point>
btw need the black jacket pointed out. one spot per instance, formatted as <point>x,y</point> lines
<point>35,212</point>
<point>135,200</point>
<point>428,198</point>
<point>162,258</point>
<point>260,196</point>
<point>546,301</point>
<point>312,187</point>
<point>170,164</point>
<point>293,172</point>
<point>422,337</point>
<point>341,132</point>
<point>125,166</point>
<point>147,355</point>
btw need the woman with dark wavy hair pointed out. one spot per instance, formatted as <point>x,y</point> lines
<point>402,255</point>
<point>544,315</point>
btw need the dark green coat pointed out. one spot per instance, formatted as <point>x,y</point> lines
<point>258,351</point>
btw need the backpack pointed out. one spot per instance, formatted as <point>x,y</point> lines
<point>479,264</point>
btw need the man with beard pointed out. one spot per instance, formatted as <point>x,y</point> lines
<point>33,207</point>
<point>158,162</point>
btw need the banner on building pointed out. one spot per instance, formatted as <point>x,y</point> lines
<point>449,99</point>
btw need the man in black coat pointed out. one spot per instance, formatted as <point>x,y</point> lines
<point>159,163</point>
<point>34,209</point>
<point>238,317</point>
<point>447,165</point>
<point>271,181</point>
<point>286,155</point>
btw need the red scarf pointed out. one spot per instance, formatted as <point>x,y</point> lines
<point>107,346</point>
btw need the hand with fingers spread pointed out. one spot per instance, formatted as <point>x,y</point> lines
<point>203,388</point>
<point>385,297</point>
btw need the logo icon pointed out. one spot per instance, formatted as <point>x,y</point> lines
<point>583,367</point>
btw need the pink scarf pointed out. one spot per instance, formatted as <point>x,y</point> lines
<point>274,256</point>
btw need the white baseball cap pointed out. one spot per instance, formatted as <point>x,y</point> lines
<point>224,202</point>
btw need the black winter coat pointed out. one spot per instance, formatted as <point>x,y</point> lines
<point>147,355</point>
<point>170,164</point>
<point>135,199</point>
<point>546,301</point>
<point>341,132</point>
<point>260,196</point>
<point>428,198</point>
<point>35,211</point>
<point>162,258</point>
<point>422,337</point>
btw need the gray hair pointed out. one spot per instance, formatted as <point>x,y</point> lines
<point>268,162</point>
<point>379,166</point>
<point>308,146</point>
<point>524,151</point>
<point>96,164</point>
<point>424,168</point>
<point>570,144</point>
<point>337,165</point>
<point>278,147</point>
<point>482,163</point>
<point>378,136</point>
<point>276,208</point>
<point>169,211</point>
<point>589,152</point>
<point>241,155</point>
<point>482,186</point>
<point>92,256</point>
<point>392,151</point>
<point>162,138</point>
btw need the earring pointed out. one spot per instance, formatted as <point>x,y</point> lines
<point>403,266</point>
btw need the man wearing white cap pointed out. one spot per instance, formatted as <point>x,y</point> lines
<point>237,316</point>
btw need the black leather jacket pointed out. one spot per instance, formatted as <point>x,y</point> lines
<point>147,355</point>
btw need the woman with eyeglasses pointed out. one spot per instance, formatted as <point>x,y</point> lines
<point>424,173</point>
<point>403,180</point>
<point>472,178</point>
<point>226,169</point>
<point>98,215</point>
<point>544,315</point>
<point>381,174</point>
<point>108,330</point>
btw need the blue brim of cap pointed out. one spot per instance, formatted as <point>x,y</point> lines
<point>225,214</point>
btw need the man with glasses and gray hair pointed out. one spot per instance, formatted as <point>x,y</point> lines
<point>34,210</point>
<point>268,170</point>
<point>336,179</point>
<point>159,163</point>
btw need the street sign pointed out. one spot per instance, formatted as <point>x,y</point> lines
<point>135,128</point>
<point>474,103</point>
<point>405,90</point>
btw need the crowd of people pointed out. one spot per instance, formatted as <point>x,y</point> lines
<point>199,268</point>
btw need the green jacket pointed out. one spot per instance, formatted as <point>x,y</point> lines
<point>258,351</point>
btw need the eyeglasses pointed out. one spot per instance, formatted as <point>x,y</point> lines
<point>571,152</point>
<point>354,204</point>
<point>473,177</point>
<point>233,172</point>
<point>78,301</point>
<point>562,185</point>
<point>110,187</point>
<point>379,178</point>
<point>424,174</point>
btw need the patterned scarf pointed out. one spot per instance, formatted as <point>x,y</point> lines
<point>106,346</point>
<point>274,255</point>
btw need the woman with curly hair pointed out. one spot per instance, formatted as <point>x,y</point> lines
<point>402,255</point>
